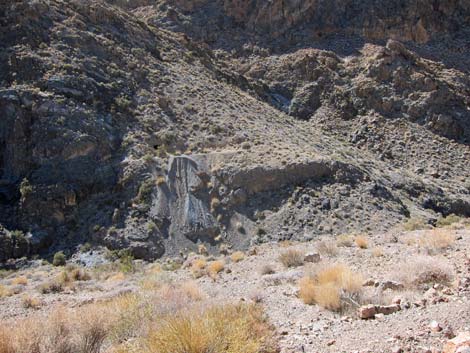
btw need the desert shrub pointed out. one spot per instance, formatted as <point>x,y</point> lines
<point>144,194</point>
<point>230,328</point>
<point>25,188</point>
<point>215,267</point>
<point>21,280</point>
<point>59,259</point>
<point>292,258</point>
<point>344,240</point>
<point>361,242</point>
<point>415,223</point>
<point>31,302</point>
<point>51,287</point>
<point>327,248</point>
<point>377,251</point>
<point>215,204</point>
<point>333,287</point>
<point>436,240</point>
<point>79,274</point>
<point>424,270</point>
<point>5,292</point>
<point>169,320</point>
<point>448,220</point>
<point>267,269</point>
<point>85,247</point>
<point>198,268</point>
<point>237,256</point>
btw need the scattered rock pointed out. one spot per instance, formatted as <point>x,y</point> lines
<point>312,257</point>
<point>369,311</point>
<point>458,344</point>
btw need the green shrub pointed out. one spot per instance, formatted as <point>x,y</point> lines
<point>59,259</point>
<point>448,220</point>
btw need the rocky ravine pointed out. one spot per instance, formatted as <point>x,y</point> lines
<point>165,124</point>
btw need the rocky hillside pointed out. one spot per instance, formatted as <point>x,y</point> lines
<point>158,126</point>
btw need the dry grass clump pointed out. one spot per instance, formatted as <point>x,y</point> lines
<point>5,291</point>
<point>198,268</point>
<point>237,256</point>
<point>327,248</point>
<point>31,302</point>
<point>21,280</point>
<point>448,220</point>
<point>415,223</point>
<point>230,328</point>
<point>267,269</point>
<point>334,288</point>
<point>215,267</point>
<point>377,251</point>
<point>344,240</point>
<point>292,258</point>
<point>436,240</point>
<point>361,242</point>
<point>425,270</point>
<point>168,320</point>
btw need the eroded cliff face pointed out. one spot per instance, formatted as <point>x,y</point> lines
<point>155,126</point>
<point>416,20</point>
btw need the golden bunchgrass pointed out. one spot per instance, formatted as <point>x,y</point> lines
<point>230,328</point>
<point>327,286</point>
<point>215,267</point>
<point>436,239</point>
<point>237,256</point>
<point>21,280</point>
<point>361,242</point>
<point>292,258</point>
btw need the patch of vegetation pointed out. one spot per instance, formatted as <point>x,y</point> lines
<point>25,188</point>
<point>292,258</point>
<point>144,194</point>
<point>334,288</point>
<point>361,242</point>
<point>237,256</point>
<point>415,223</point>
<point>448,220</point>
<point>59,259</point>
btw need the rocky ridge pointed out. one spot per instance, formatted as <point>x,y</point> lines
<point>143,128</point>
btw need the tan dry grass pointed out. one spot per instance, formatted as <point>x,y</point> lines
<point>361,242</point>
<point>237,256</point>
<point>331,287</point>
<point>292,258</point>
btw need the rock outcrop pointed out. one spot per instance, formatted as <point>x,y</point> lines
<point>155,126</point>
